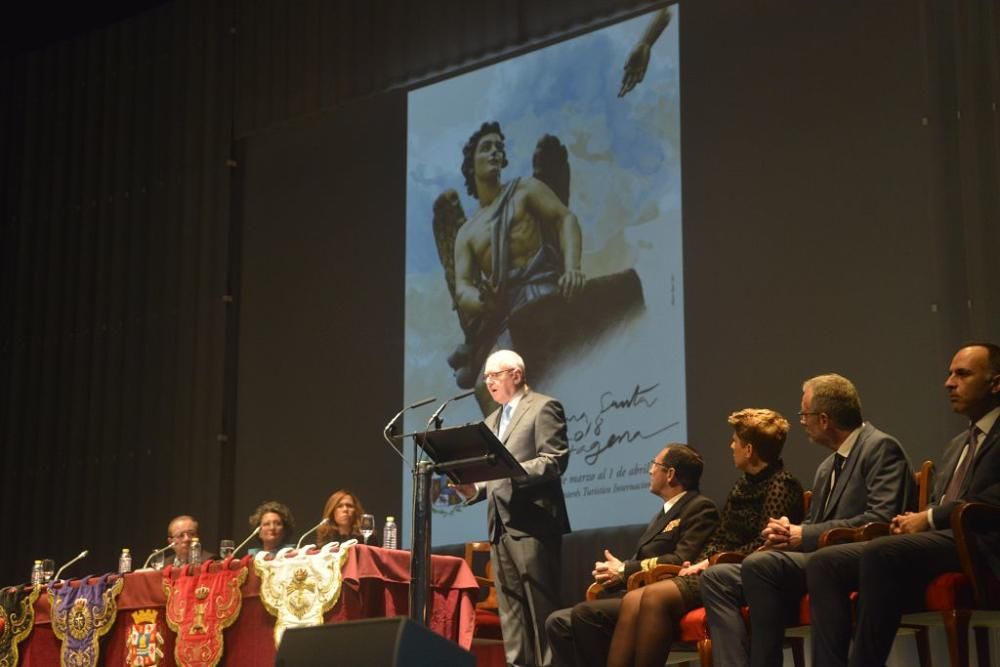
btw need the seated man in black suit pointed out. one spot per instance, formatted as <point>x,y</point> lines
<point>891,573</point>
<point>581,635</point>
<point>865,478</point>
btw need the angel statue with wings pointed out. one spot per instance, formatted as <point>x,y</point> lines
<point>513,268</point>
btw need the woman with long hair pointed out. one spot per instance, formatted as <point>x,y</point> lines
<point>343,509</point>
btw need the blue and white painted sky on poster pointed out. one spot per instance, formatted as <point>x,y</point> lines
<point>625,157</point>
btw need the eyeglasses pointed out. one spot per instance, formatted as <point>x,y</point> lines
<point>654,462</point>
<point>186,533</point>
<point>493,377</point>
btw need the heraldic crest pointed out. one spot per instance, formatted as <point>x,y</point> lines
<point>17,618</point>
<point>297,587</point>
<point>81,615</point>
<point>144,644</point>
<point>200,605</point>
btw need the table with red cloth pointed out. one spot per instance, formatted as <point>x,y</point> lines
<point>376,583</point>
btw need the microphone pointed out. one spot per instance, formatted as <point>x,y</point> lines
<point>82,554</point>
<point>252,535</point>
<point>387,431</point>
<point>155,553</point>
<point>435,419</point>
<point>420,403</point>
<point>312,530</point>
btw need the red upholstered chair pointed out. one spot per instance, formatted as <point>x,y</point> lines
<point>970,598</point>
<point>487,615</point>
<point>487,640</point>
<point>694,624</point>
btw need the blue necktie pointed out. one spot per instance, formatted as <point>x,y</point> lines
<point>504,421</point>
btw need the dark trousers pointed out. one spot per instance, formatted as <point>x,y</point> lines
<point>526,576</point>
<point>581,635</point>
<point>894,571</point>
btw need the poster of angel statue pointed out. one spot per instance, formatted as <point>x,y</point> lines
<point>544,216</point>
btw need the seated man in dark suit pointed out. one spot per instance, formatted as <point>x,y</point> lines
<point>891,573</point>
<point>181,531</point>
<point>866,478</point>
<point>581,635</point>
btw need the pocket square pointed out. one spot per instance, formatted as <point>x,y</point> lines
<point>673,524</point>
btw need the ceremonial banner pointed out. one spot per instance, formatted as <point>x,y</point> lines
<point>17,618</point>
<point>298,589</point>
<point>144,644</point>
<point>200,605</point>
<point>81,615</point>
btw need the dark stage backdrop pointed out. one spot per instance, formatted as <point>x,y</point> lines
<point>321,311</point>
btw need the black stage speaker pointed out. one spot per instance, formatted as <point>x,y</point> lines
<point>376,642</point>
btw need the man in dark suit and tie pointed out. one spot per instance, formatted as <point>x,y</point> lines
<point>866,478</point>
<point>527,515</point>
<point>891,573</point>
<point>581,635</point>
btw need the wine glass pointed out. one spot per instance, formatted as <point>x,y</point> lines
<point>367,526</point>
<point>48,570</point>
<point>226,548</point>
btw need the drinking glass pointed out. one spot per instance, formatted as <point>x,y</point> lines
<point>367,526</point>
<point>48,570</point>
<point>226,548</point>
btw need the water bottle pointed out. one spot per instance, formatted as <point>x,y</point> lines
<point>36,573</point>
<point>195,553</point>
<point>125,562</point>
<point>389,533</point>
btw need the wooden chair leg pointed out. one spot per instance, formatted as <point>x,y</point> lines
<point>705,652</point>
<point>982,646</point>
<point>797,644</point>
<point>922,637</point>
<point>923,646</point>
<point>956,626</point>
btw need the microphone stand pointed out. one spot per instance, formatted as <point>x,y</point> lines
<point>311,531</point>
<point>155,553</point>
<point>389,431</point>
<point>420,550</point>
<point>256,531</point>
<point>82,554</point>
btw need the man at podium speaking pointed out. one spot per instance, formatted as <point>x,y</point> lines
<point>527,515</point>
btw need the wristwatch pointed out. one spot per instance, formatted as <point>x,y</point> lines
<point>621,571</point>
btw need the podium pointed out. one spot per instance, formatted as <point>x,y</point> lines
<point>466,454</point>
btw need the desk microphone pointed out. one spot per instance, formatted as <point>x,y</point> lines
<point>312,530</point>
<point>249,537</point>
<point>82,554</point>
<point>155,553</point>
<point>435,419</point>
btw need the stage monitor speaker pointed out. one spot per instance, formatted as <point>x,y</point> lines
<point>376,642</point>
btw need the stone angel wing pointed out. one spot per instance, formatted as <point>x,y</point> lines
<point>449,216</point>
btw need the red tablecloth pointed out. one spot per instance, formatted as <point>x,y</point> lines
<point>376,584</point>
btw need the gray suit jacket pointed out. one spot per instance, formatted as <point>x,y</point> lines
<point>532,505</point>
<point>875,484</point>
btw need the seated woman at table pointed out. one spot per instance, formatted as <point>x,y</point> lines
<point>344,510</point>
<point>276,527</point>
<point>649,615</point>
